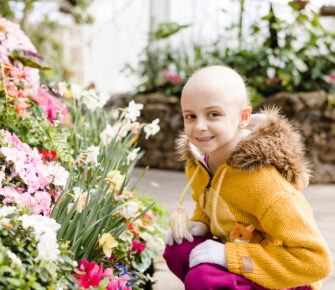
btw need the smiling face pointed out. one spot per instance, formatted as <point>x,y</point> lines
<point>213,105</point>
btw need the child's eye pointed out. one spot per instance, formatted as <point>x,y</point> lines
<point>190,116</point>
<point>213,114</point>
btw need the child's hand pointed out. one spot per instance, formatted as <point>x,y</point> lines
<point>209,252</point>
<point>199,229</point>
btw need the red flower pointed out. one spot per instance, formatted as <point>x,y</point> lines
<point>91,274</point>
<point>138,246</point>
<point>147,216</point>
<point>48,155</point>
<point>133,231</point>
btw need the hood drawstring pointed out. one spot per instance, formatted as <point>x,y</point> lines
<point>179,221</point>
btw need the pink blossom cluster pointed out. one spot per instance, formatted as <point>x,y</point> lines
<point>173,78</point>
<point>138,246</point>
<point>90,274</point>
<point>12,37</point>
<point>50,105</point>
<point>27,180</point>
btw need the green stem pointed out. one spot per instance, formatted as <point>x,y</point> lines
<point>240,24</point>
<point>4,85</point>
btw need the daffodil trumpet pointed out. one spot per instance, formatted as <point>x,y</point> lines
<point>179,221</point>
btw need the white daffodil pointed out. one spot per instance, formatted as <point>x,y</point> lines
<point>79,196</point>
<point>76,91</point>
<point>16,261</point>
<point>93,101</point>
<point>151,129</point>
<point>132,155</point>
<point>92,153</point>
<point>62,88</point>
<point>133,111</point>
<point>130,209</point>
<point>109,133</point>
<point>114,114</point>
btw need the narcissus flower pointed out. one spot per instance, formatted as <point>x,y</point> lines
<point>107,242</point>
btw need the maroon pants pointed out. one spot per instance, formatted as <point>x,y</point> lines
<point>205,276</point>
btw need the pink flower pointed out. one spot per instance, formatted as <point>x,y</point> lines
<point>33,178</point>
<point>173,78</point>
<point>138,246</point>
<point>332,76</point>
<point>50,105</point>
<point>91,274</point>
<point>119,284</point>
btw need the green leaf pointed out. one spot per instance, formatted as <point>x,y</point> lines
<point>167,29</point>
<point>29,58</point>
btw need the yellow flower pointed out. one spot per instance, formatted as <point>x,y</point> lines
<point>107,242</point>
<point>116,179</point>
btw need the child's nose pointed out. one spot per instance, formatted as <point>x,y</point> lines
<point>201,125</point>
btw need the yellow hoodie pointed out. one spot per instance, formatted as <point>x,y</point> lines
<point>259,185</point>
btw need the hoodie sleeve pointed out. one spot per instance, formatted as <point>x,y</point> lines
<point>295,253</point>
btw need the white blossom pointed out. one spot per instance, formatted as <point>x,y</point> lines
<point>45,232</point>
<point>114,114</point>
<point>93,101</point>
<point>271,72</point>
<point>132,155</point>
<point>92,153</point>
<point>5,211</point>
<point>48,248</point>
<point>80,197</point>
<point>130,209</point>
<point>151,129</point>
<point>109,133</point>
<point>16,261</point>
<point>62,88</point>
<point>76,91</point>
<point>133,111</point>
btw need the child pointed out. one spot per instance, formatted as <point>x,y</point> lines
<point>249,173</point>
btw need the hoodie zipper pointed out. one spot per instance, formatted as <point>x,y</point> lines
<point>209,183</point>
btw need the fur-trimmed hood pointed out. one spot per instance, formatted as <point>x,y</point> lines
<point>272,141</point>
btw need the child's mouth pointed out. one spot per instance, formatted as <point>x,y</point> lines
<point>204,139</point>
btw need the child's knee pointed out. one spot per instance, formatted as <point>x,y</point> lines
<point>198,278</point>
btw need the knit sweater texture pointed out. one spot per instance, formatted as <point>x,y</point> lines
<point>261,184</point>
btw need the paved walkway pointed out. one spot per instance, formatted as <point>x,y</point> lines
<point>166,187</point>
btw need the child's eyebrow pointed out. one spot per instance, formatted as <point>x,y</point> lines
<point>212,107</point>
<point>186,111</point>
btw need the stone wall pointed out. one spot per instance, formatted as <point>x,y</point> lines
<point>311,112</point>
<point>160,149</point>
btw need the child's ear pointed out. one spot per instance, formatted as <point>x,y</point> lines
<point>245,117</point>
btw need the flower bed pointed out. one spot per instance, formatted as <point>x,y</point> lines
<point>69,217</point>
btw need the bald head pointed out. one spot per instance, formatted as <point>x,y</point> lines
<point>219,80</point>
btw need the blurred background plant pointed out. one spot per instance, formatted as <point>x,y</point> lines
<point>290,56</point>
<point>45,31</point>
